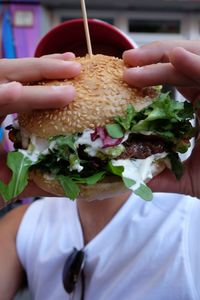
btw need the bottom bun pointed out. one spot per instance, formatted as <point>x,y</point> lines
<point>109,187</point>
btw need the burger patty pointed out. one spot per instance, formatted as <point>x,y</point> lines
<point>140,146</point>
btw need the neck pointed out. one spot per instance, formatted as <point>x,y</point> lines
<point>96,214</point>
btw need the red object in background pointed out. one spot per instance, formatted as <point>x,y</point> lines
<point>70,36</point>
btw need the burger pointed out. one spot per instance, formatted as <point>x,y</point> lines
<point>111,138</point>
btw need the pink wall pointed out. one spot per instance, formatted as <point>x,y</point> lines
<point>26,37</point>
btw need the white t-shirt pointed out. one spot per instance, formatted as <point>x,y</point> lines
<point>148,251</point>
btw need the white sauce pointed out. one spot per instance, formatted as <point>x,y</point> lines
<point>36,147</point>
<point>138,170</point>
<point>85,139</point>
<point>76,167</point>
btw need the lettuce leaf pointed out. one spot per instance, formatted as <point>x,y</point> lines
<point>164,117</point>
<point>70,188</point>
<point>70,183</point>
<point>19,164</point>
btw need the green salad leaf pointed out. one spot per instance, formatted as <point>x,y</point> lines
<point>144,192</point>
<point>64,140</point>
<point>90,180</point>
<point>115,131</point>
<point>128,120</point>
<point>70,183</point>
<point>70,188</point>
<point>163,117</point>
<point>176,164</point>
<point>19,164</point>
<point>115,170</point>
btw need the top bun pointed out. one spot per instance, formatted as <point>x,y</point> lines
<point>101,95</point>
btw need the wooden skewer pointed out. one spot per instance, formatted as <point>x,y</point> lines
<point>87,33</point>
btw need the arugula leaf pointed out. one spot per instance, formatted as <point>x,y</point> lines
<point>128,119</point>
<point>114,131</point>
<point>19,164</point>
<point>70,183</point>
<point>70,188</point>
<point>176,164</point>
<point>91,179</point>
<point>116,170</point>
<point>144,192</point>
<point>128,182</point>
<point>64,140</point>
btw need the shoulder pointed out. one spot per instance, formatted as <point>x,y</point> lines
<point>43,222</point>
<point>9,224</point>
<point>49,212</point>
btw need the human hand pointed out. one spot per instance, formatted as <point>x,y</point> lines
<point>177,64</point>
<point>16,97</point>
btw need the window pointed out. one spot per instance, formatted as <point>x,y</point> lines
<point>154,26</point>
<point>108,20</point>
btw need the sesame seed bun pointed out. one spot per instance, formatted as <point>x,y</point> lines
<point>101,94</point>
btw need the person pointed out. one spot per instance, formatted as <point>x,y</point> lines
<point>133,249</point>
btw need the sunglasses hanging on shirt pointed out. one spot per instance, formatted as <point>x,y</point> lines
<point>73,270</point>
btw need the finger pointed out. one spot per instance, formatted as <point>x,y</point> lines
<point>17,98</point>
<point>157,52</point>
<point>186,62</point>
<point>64,56</point>
<point>155,75</point>
<point>35,69</point>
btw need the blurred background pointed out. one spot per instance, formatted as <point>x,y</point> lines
<point>23,23</point>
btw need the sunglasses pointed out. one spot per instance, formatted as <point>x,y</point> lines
<point>73,270</point>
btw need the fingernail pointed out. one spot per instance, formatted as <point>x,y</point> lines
<point>69,54</point>
<point>134,70</point>
<point>128,51</point>
<point>69,63</point>
<point>137,69</point>
<point>66,88</point>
